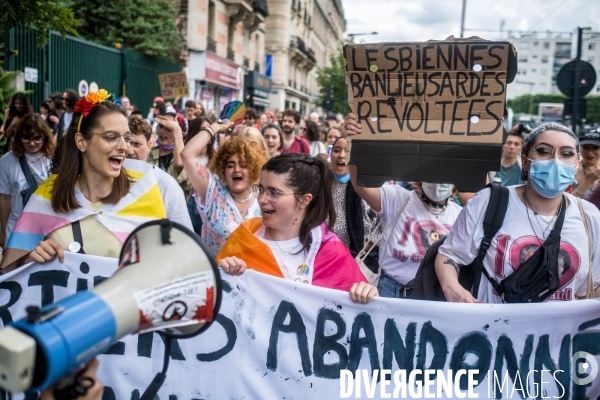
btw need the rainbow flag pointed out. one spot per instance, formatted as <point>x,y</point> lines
<point>143,203</point>
<point>334,267</point>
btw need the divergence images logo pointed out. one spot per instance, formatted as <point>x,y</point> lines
<point>589,365</point>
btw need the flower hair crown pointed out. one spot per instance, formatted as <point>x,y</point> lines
<point>87,103</point>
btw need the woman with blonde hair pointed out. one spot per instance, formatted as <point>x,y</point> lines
<point>256,138</point>
<point>23,169</point>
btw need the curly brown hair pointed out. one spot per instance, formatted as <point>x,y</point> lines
<point>140,127</point>
<point>247,152</point>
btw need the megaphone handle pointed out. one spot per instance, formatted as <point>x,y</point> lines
<point>159,379</point>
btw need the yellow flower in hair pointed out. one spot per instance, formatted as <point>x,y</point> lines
<point>93,97</point>
<point>103,94</point>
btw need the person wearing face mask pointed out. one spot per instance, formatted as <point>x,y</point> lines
<point>170,130</point>
<point>223,189</point>
<point>30,153</point>
<point>172,194</point>
<point>412,221</point>
<point>293,239</point>
<point>550,159</point>
<point>355,221</point>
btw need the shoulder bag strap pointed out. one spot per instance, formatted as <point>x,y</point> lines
<point>76,227</point>
<point>492,222</point>
<point>590,279</point>
<point>27,172</point>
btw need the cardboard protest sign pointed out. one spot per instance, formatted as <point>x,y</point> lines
<point>173,85</point>
<point>429,111</point>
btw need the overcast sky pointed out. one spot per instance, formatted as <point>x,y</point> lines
<point>420,20</point>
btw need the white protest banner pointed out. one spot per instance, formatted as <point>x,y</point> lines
<point>274,338</point>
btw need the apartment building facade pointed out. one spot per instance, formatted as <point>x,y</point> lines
<point>300,36</point>
<point>225,42</point>
<point>542,55</point>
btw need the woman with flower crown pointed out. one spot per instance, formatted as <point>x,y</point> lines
<point>94,197</point>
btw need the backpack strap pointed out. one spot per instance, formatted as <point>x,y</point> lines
<point>492,222</point>
<point>76,227</point>
<point>29,177</point>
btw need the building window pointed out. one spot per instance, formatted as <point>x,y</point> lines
<point>524,45</point>
<point>544,59</point>
<point>543,72</point>
<point>592,46</point>
<point>533,71</point>
<point>546,45</point>
<point>522,59</point>
<point>536,44</point>
<point>534,58</point>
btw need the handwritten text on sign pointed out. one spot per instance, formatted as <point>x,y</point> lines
<point>173,85</point>
<point>432,91</point>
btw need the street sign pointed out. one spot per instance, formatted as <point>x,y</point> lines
<point>31,75</point>
<point>566,76</point>
<point>269,65</point>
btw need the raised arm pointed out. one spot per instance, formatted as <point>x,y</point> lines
<point>372,196</point>
<point>198,175</point>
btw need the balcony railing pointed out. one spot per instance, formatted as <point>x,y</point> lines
<point>256,66</point>
<point>211,45</point>
<point>246,62</point>
<point>230,54</point>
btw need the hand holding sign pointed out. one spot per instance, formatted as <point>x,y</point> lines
<point>351,126</point>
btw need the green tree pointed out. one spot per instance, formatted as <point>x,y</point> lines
<point>147,26</point>
<point>336,76</point>
<point>41,15</point>
<point>528,103</point>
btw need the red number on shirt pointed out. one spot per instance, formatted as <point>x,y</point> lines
<point>405,232</point>
<point>502,242</point>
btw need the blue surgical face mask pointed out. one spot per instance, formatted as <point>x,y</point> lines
<point>550,178</point>
<point>342,178</point>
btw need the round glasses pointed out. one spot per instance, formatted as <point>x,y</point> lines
<point>546,152</point>
<point>113,138</point>
<point>272,193</point>
<point>29,139</point>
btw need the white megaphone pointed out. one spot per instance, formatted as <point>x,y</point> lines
<point>167,281</point>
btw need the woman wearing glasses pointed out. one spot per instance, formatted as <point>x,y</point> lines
<point>223,189</point>
<point>550,158</point>
<point>293,239</point>
<point>94,198</point>
<point>30,153</point>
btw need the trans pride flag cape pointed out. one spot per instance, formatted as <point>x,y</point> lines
<point>143,203</point>
<point>334,266</point>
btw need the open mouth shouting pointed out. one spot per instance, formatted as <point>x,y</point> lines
<point>267,211</point>
<point>237,179</point>
<point>116,161</point>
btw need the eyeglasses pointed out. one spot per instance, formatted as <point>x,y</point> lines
<point>113,138</point>
<point>272,193</point>
<point>303,129</point>
<point>29,139</point>
<point>546,152</point>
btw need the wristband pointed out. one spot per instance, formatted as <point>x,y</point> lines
<point>206,130</point>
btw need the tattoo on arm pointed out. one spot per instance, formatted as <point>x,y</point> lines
<point>454,264</point>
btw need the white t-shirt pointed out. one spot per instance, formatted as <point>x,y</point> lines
<point>516,241</point>
<point>173,199</point>
<point>317,148</point>
<point>13,181</point>
<point>416,230</point>
<point>280,251</point>
<point>67,118</point>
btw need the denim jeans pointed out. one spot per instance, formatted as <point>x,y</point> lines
<point>194,215</point>
<point>388,287</point>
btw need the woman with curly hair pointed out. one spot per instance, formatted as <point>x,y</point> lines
<point>223,191</point>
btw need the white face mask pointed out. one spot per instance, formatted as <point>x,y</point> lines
<point>437,191</point>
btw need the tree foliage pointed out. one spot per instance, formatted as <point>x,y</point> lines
<point>147,26</point>
<point>38,14</point>
<point>528,104</point>
<point>336,76</point>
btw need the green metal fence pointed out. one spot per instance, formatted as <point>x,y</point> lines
<point>64,63</point>
<point>141,77</point>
